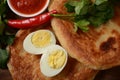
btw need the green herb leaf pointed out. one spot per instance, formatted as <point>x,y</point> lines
<point>1,28</point>
<point>79,7</point>
<point>69,7</point>
<point>2,7</point>
<point>98,2</point>
<point>83,25</point>
<point>4,56</point>
<point>82,7</point>
<point>103,7</point>
<point>87,12</point>
<point>72,3</point>
<point>103,13</point>
<point>6,39</point>
<point>91,13</point>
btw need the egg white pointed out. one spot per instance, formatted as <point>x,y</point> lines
<point>30,48</point>
<point>45,68</point>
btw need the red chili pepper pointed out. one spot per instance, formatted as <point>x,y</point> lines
<point>30,22</point>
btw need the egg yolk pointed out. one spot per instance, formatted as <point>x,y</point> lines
<point>41,39</point>
<point>56,59</point>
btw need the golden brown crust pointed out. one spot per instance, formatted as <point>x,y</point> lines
<point>98,48</point>
<point>24,66</point>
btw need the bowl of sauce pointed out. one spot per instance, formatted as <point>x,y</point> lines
<point>28,8</point>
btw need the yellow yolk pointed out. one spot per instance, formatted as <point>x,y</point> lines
<point>41,39</point>
<point>56,59</point>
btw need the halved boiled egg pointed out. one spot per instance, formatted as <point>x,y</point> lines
<point>37,41</point>
<point>53,61</point>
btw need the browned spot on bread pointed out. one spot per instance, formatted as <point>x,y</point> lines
<point>107,45</point>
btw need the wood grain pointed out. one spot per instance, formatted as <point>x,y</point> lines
<point>5,75</point>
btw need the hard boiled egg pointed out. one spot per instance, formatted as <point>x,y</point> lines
<point>53,61</point>
<point>36,42</point>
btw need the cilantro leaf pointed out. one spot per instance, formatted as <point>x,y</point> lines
<point>3,6</point>
<point>103,13</point>
<point>98,2</point>
<point>6,39</point>
<point>4,56</point>
<point>1,28</point>
<point>87,12</point>
<point>70,8</point>
<point>82,24</point>
<point>82,7</point>
<point>79,7</point>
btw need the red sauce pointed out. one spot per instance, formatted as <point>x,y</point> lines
<point>28,6</point>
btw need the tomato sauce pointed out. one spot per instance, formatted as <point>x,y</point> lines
<point>28,6</point>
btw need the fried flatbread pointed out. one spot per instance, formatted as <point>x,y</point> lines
<point>99,48</point>
<point>25,66</point>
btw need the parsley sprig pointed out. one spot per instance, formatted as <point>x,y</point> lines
<point>87,12</point>
<point>6,38</point>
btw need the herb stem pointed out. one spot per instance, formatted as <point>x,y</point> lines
<point>63,15</point>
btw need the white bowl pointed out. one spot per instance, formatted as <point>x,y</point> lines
<point>28,15</point>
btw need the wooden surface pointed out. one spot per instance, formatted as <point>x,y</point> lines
<point>110,74</point>
<point>5,75</point>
